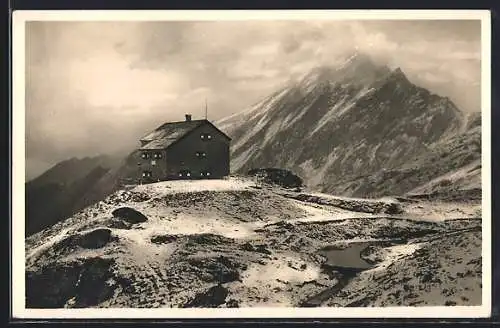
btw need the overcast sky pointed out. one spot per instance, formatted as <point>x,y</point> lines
<point>95,87</point>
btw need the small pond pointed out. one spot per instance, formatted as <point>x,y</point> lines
<point>347,262</point>
<point>348,258</point>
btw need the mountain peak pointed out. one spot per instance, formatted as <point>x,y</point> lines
<point>398,75</point>
<point>358,69</point>
<point>398,72</point>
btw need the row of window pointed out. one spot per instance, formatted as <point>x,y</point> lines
<point>186,173</point>
<point>201,154</point>
<point>147,155</point>
<point>149,174</point>
<point>205,136</point>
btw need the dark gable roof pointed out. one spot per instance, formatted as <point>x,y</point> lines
<point>169,133</point>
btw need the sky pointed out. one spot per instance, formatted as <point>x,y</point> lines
<point>96,87</point>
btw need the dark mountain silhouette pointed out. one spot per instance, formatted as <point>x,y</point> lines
<point>60,191</point>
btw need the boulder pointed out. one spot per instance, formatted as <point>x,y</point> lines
<point>130,215</point>
<point>281,177</point>
<point>163,239</point>
<point>213,297</point>
<point>95,239</point>
<point>393,208</point>
<point>77,284</point>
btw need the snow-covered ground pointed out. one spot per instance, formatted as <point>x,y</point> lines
<point>442,211</point>
<point>323,213</point>
<point>334,197</point>
<point>266,284</point>
<point>262,244</point>
<point>393,254</point>
<point>465,178</point>
<point>180,186</point>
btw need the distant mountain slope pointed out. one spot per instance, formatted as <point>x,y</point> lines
<point>69,171</point>
<point>59,192</point>
<point>339,123</point>
<point>453,164</point>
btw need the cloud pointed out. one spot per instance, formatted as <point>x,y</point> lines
<point>433,78</point>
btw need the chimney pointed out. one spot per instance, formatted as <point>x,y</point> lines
<point>188,117</point>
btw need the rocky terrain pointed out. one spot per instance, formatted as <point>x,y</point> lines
<point>239,242</point>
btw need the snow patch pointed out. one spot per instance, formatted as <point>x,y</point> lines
<point>377,200</point>
<point>279,269</point>
<point>242,158</point>
<point>272,131</point>
<point>394,253</point>
<point>465,177</point>
<point>52,241</point>
<point>442,211</point>
<point>189,225</point>
<point>315,214</point>
<point>316,175</point>
<point>186,186</point>
<point>296,115</point>
<point>340,107</point>
<point>261,108</point>
<point>274,274</point>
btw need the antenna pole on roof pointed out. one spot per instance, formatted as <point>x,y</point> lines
<point>206,109</point>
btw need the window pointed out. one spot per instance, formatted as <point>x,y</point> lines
<point>206,136</point>
<point>205,173</point>
<point>201,154</point>
<point>145,155</point>
<point>153,162</point>
<point>185,173</point>
<point>157,155</point>
<point>147,174</point>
